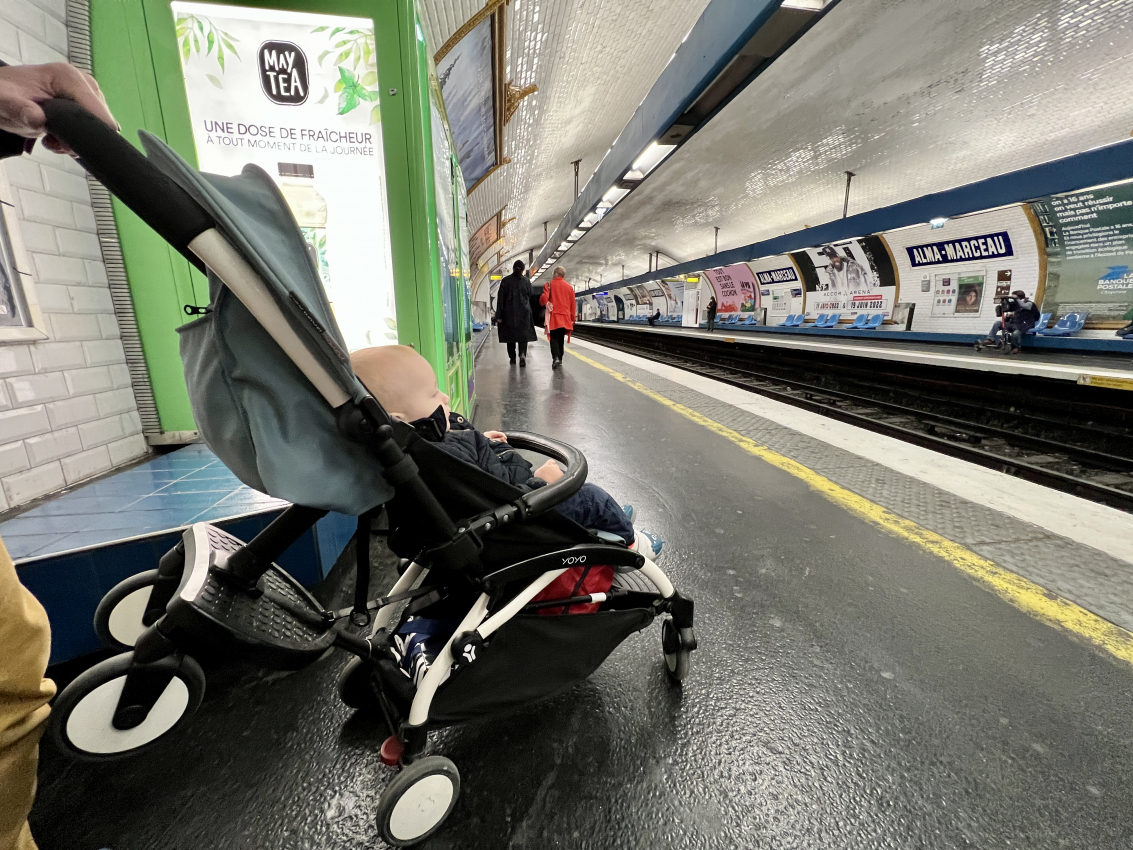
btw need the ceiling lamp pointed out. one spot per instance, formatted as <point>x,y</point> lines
<point>651,157</point>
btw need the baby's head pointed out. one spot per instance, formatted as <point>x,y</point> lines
<point>401,380</point>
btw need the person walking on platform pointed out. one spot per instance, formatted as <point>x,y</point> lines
<point>513,313</point>
<point>25,635</point>
<point>711,311</point>
<point>558,298</point>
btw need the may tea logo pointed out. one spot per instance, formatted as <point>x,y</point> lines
<point>283,72</point>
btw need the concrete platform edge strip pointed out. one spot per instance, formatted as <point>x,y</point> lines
<point>1032,599</point>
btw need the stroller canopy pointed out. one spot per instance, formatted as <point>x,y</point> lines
<point>253,406</point>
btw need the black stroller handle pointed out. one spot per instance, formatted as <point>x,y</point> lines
<point>544,498</point>
<point>129,175</point>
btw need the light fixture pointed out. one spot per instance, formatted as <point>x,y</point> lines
<point>692,279</point>
<point>564,247</point>
<point>591,219</point>
<point>575,235</point>
<point>613,195</point>
<point>937,223</point>
<point>651,157</point>
<point>633,175</point>
<point>496,277</point>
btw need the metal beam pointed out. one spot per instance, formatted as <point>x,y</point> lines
<point>1097,167</point>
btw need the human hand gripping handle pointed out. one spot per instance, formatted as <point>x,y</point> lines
<point>24,88</point>
<point>127,173</point>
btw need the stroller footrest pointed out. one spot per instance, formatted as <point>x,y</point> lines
<point>280,618</point>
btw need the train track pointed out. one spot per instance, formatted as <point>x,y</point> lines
<point>1045,433</point>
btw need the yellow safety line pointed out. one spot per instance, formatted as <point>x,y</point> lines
<point>1025,595</point>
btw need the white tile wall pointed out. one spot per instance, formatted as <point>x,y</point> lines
<point>67,411</point>
<point>1024,266</point>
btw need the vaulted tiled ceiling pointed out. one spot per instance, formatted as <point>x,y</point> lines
<point>593,61</point>
<point>912,96</point>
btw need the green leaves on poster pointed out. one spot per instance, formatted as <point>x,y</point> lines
<point>355,55</point>
<point>195,31</point>
<point>351,91</point>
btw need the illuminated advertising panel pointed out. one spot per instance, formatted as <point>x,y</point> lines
<point>297,95</point>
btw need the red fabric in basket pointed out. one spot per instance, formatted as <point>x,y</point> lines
<point>577,581</point>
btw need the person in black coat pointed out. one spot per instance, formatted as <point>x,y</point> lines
<point>513,313</point>
<point>711,311</point>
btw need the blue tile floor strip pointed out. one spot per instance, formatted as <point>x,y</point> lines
<point>72,549</point>
<point>177,489</point>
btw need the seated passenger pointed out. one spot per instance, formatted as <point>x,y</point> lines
<point>405,385</point>
<point>1017,315</point>
<point>654,317</point>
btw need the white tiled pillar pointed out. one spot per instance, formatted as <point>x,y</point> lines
<point>67,411</point>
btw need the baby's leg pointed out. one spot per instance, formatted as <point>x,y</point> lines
<point>593,507</point>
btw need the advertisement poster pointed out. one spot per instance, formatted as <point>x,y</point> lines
<point>297,95</point>
<point>851,277</point>
<point>944,293</point>
<point>466,79</point>
<point>969,293</point>
<point>735,289</point>
<point>484,238</point>
<point>1089,245</point>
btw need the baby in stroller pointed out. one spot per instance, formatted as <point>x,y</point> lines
<point>405,385</point>
<point>403,382</point>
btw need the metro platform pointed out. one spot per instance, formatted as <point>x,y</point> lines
<point>1111,365</point>
<point>897,649</point>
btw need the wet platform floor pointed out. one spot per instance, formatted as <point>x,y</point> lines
<point>850,691</point>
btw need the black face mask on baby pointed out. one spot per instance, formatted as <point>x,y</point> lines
<point>433,426</point>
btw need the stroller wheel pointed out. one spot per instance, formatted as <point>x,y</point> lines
<point>677,649</point>
<point>417,801</point>
<point>118,618</point>
<point>354,685</point>
<point>82,718</point>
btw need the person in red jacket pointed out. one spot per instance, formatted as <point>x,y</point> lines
<point>558,298</point>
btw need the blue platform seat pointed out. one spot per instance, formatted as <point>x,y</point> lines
<point>1041,324</point>
<point>875,321</point>
<point>788,322</point>
<point>750,320</point>
<point>1066,325</point>
<point>859,323</point>
<point>832,320</point>
<point>734,318</point>
<point>820,322</point>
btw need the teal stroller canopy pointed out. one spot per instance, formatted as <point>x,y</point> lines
<point>254,407</point>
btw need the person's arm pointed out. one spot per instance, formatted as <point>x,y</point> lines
<point>546,296</point>
<point>23,88</point>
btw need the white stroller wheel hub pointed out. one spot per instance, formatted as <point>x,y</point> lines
<point>423,805</point>
<point>90,727</point>
<point>125,623</point>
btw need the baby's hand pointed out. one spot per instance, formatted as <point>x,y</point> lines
<point>549,472</point>
<point>498,436</point>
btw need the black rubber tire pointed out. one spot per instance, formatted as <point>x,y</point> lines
<point>104,625</point>
<point>354,687</point>
<point>394,821</point>
<point>678,658</point>
<point>183,702</point>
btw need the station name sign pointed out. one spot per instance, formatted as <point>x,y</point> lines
<point>786,275</point>
<point>988,246</point>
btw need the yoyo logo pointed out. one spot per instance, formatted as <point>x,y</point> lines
<point>283,72</point>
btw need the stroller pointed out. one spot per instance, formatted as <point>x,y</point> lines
<point>274,396</point>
